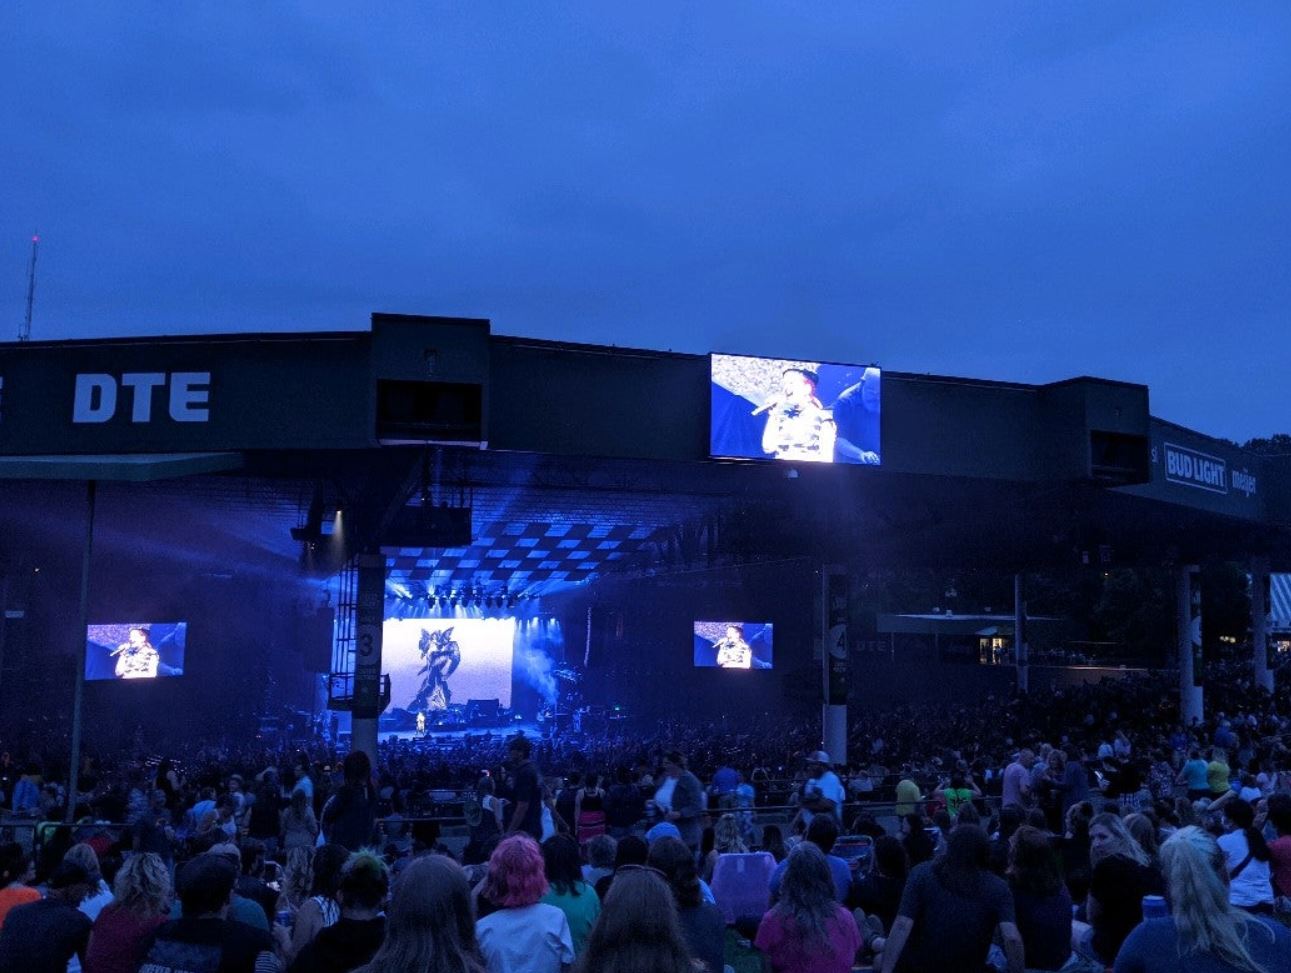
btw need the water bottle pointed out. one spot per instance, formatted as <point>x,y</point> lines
<point>1154,907</point>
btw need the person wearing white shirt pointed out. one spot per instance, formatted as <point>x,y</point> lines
<point>523,935</point>
<point>823,792</point>
<point>1247,855</point>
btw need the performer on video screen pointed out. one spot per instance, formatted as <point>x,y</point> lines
<point>732,651</point>
<point>856,419</point>
<point>798,426</point>
<point>136,658</point>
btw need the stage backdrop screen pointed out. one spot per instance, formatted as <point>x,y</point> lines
<point>733,645</point>
<point>437,662</point>
<point>135,650</point>
<point>801,411</point>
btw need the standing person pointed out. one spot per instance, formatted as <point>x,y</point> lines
<point>351,941</point>
<point>823,793</point>
<point>1074,786</point>
<point>526,790</point>
<point>951,911</point>
<point>1194,776</point>
<point>140,905</point>
<point>1218,773</point>
<point>524,934</point>
<point>638,930</point>
<point>589,809</point>
<point>808,930</point>
<point>961,790</point>
<point>1017,780</point>
<point>566,889</point>
<point>1040,900</point>
<point>702,923</point>
<point>1204,930</point>
<point>204,938</point>
<point>485,820</point>
<point>264,817</point>
<point>430,927</point>
<point>349,818</point>
<point>624,805</point>
<point>686,809</point>
<point>1247,856</point>
<point>44,936</point>
<point>297,824</point>
<point>823,834</point>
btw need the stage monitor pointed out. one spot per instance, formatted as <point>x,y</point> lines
<point>797,411</point>
<point>135,650</point>
<point>733,645</point>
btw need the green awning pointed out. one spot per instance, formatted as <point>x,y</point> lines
<point>129,467</point>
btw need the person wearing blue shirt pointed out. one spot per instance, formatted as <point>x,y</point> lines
<point>1204,933</point>
<point>823,833</point>
<point>26,795</point>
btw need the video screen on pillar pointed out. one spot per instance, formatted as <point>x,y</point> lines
<point>135,650</point>
<point>733,645</point>
<point>794,410</point>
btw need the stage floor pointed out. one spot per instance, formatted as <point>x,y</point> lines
<point>528,728</point>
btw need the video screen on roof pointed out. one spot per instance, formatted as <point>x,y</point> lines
<point>799,411</point>
<point>135,650</point>
<point>733,645</point>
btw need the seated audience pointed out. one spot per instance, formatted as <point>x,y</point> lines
<point>878,892</point>
<point>702,924</point>
<point>808,930</point>
<point>523,934</point>
<point>351,941</point>
<point>1040,901</point>
<point>15,872</point>
<point>951,911</point>
<point>321,909</point>
<point>1250,882</point>
<point>1204,931</point>
<point>566,889</point>
<point>204,938</point>
<point>45,935</point>
<point>823,834</point>
<point>600,859</point>
<point>140,904</point>
<point>430,927</point>
<point>1122,874</point>
<point>638,929</point>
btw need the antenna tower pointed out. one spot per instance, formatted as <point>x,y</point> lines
<point>24,334</point>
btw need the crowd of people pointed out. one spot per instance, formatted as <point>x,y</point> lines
<point>1088,830</point>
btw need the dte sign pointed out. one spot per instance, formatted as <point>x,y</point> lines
<point>187,396</point>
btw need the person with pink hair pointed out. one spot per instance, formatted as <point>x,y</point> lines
<point>524,935</point>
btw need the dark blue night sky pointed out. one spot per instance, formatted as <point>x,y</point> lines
<point>1009,190</point>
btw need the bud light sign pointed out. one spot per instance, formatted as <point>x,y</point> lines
<point>1188,467</point>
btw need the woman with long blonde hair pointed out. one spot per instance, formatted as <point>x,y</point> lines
<point>1204,931</point>
<point>141,902</point>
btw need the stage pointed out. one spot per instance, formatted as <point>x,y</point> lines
<point>435,735</point>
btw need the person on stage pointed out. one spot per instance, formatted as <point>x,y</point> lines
<point>421,724</point>
<point>136,658</point>
<point>732,651</point>
<point>798,426</point>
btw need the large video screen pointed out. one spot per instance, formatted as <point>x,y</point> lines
<point>435,663</point>
<point>135,650</point>
<point>800,411</point>
<point>733,645</point>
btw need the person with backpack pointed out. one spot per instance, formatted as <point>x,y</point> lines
<point>349,817</point>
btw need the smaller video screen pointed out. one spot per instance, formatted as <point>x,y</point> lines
<point>135,650</point>
<point>733,645</point>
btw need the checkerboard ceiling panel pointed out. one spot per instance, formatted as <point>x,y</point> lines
<point>521,555</point>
